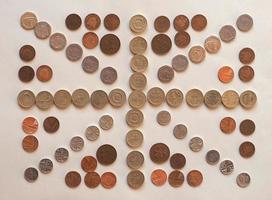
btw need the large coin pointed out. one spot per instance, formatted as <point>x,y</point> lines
<point>137,24</point>
<point>137,99</point>
<point>161,44</point>
<point>106,154</point>
<point>26,99</point>
<point>110,44</point>
<point>159,153</point>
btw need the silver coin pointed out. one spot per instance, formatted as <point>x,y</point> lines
<point>180,131</point>
<point>74,52</point>
<point>244,22</point>
<point>243,180</point>
<point>212,157</point>
<point>135,159</point>
<point>106,122</point>
<point>196,144</point>
<point>61,155</point>
<point>80,98</point>
<point>226,167</point>
<point>31,174</point>
<point>76,143</point>
<point>227,33</point>
<point>134,138</point>
<point>57,41</point>
<point>180,63</point>
<point>26,99</point>
<point>45,166</point>
<point>92,133</point>
<point>44,100</point>
<point>90,64</point>
<point>42,30</point>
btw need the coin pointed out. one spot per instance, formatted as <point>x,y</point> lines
<point>61,155</point>
<point>26,74</point>
<point>92,179</point>
<point>44,73</point>
<point>212,99</point>
<point>108,180</point>
<point>248,99</point>
<point>92,21</point>
<point>246,55</point>
<point>227,125</point>
<point>106,154</point>
<point>137,99</point>
<point>80,98</point>
<point>194,98</point>
<point>31,174</point>
<point>26,99</point>
<point>62,99</point>
<point>194,178</point>
<point>108,75</point>
<point>73,21</point>
<point>226,167</point>
<point>92,133</point>
<point>247,149</point>
<point>135,179</point>
<point>137,24</point>
<point>155,96</point>
<point>165,74</point>
<point>106,122</point>
<point>180,131</point>
<point>177,161</point>
<point>137,45</point>
<point>182,39</point>
<point>158,177</point>
<point>212,44</point>
<point>137,81</point>
<point>163,118</point>
<point>72,179</point>
<point>181,23</point>
<point>135,159</point>
<point>45,166</point>
<point>27,53</point>
<point>99,99</point>
<point>161,24</point>
<point>88,163</point>
<point>76,143</point>
<point>30,143</point>
<point>44,100</point>
<point>230,99</point>
<point>244,22</point>
<point>176,178</point>
<point>196,144</point>
<point>161,44</point>
<point>30,125</point>
<point>42,30</point>
<point>243,180</point>
<point>246,73</point>
<point>138,63</point>
<point>51,124</point>
<point>174,98</point>
<point>199,22</point>
<point>212,157</point>
<point>57,41</point>
<point>90,40</point>
<point>74,52</point>
<point>134,138</point>
<point>28,20</point>
<point>225,74</point>
<point>111,22</point>
<point>247,127</point>
<point>110,44</point>
<point>117,98</point>
<point>180,63</point>
<point>159,153</point>
<point>134,118</point>
<point>197,54</point>
<point>227,33</point>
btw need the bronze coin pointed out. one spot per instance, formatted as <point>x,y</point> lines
<point>106,154</point>
<point>44,73</point>
<point>225,74</point>
<point>194,178</point>
<point>230,99</point>
<point>247,127</point>
<point>92,21</point>
<point>110,44</point>
<point>26,74</point>
<point>27,53</point>
<point>92,179</point>
<point>181,23</point>
<point>161,44</point>
<point>117,98</point>
<point>161,24</point>
<point>31,174</point>
<point>108,75</point>
<point>135,179</point>
<point>155,96</point>
<point>176,178</point>
<point>73,22</point>
<point>90,40</point>
<point>99,99</point>
<point>108,180</point>
<point>111,22</point>
<point>30,125</point>
<point>51,124</point>
<point>158,177</point>
<point>28,20</point>
<point>212,44</point>
<point>134,118</point>
<point>177,161</point>
<point>138,24</point>
<point>137,99</point>
<point>30,143</point>
<point>174,98</point>
<point>198,22</point>
<point>182,39</point>
<point>159,153</point>
<point>247,149</point>
<point>137,81</point>
<point>72,179</point>
<point>246,55</point>
<point>194,98</point>
<point>165,74</point>
<point>246,73</point>
<point>227,125</point>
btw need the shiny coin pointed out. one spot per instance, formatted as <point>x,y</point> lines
<point>92,133</point>
<point>99,99</point>
<point>135,179</point>
<point>247,127</point>
<point>244,22</point>
<point>194,98</point>
<point>108,75</point>
<point>225,74</point>
<point>227,33</point>
<point>155,96</point>
<point>90,40</point>
<point>161,44</point>
<point>212,44</point>
<point>44,100</point>
<point>162,24</point>
<point>30,125</point>
<point>134,138</point>
<point>165,74</point>
<point>159,153</point>
<point>163,118</point>
<point>212,157</point>
<point>137,24</point>
<point>117,98</point>
<point>134,118</point>
<point>212,99</point>
<point>74,52</point>
<point>92,179</point>
<point>243,180</point>
<point>196,144</point>
<point>230,99</point>
<point>110,44</point>
<point>180,131</point>
<point>106,154</point>
<point>246,73</point>
<point>26,74</point>
<point>182,39</point>
<point>45,166</point>
<point>80,98</point>
<point>181,23</point>
<point>226,167</point>
<point>62,99</point>
<point>73,21</point>
<point>137,81</point>
<point>111,22</point>
<point>197,54</point>
<point>92,21</point>
<point>90,64</point>
<point>176,178</point>
<point>137,45</point>
<point>174,98</point>
<point>76,143</point>
<point>247,149</point>
<point>26,99</point>
<point>199,22</point>
<point>42,30</point>
<point>28,20</point>
<point>180,63</point>
<point>135,159</point>
<point>31,174</point>
<point>158,177</point>
<point>72,179</point>
<point>194,178</point>
<point>44,73</point>
<point>108,180</point>
<point>51,124</point>
<point>57,41</point>
<point>138,63</point>
<point>27,53</point>
<point>30,143</point>
<point>137,99</point>
<point>88,163</point>
<point>246,55</point>
<point>177,161</point>
<point>106,122</point>
<point>248,99</point>
<point>227,125</point>
<point>61,155</point>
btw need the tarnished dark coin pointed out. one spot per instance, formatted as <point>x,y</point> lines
<point>31,174</point>
<point>26,74</point>
<point>194,178</point>
<point>74,52</point>
<point>92,21</point>
<point>246,73</point>
<point>212,157</point>
<point>110,44</point>
<point>80,98</point>
<point>194,98</point>
<point>45,166</point>
<point>26,99</point>
<point>246,55</point>
<point>135,159</point>
<point>72,179</point>
<point>134,118</point>
<point>88,163</point>
<point>99,99</point>
<point>111,22</point>
<point>176,178</point>
<point>108,75</point>
<point>90,40</point>
<point>180,131</point>
<point>51,124</point>
<point>135,179</point>
<point>117,98</point>
<point>27,53</point>
<point>243,180</point>
<point>30,143</point>
<point>62,99</point>
<point>244,22</point>
<point>182,39</point>
<point>227,33</point>
<point>177,161</point>
<point>226,167</point>
<point>247,127</point>
<point>227,125</point>
<point>61,155</point>
<point>106,154</point>
<point>181,23</point>
<point>76,143</point>
<point>212,99</point>
<point>92,179</point>
<point>247,149</point>
<point>248,99</point>
<point>161,44</point>
<point>73,21</point>
<point>165,74</point>
<point>162,24</point>
<point>159,153</point>
<point>199,22</point>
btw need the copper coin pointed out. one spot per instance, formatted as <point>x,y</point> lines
<point>30,143</point>
<point>61,155</point>
<point>174,98</point>
<point>161,24</point>
<point>134,138</point>
<point>247,127</point>
<point>247,149</point>
<point>182,39</point>
<point>80,98</point>
<point>106,122</point>
<point>73,21</point>
<point>72,179</point>
<point>226,167</point>
<point>165,74</point>
<point>26,74</point>
<point>138,63</point>
<point>176,178</point>
<point>137,99</point>
<point>31,174</point>
<point>177,161</point>
<point>212,157</point>
<point>51,124</point>
<point>134,118</point>
<point>76,143</point>
<point>108,180</point>
<point>159,153</point>
<point>227,125</point>
<point>92,133</point>
<point>57,41</point>
<point>161,44</point>
<point>180,131</point>
<point>155,96</point>
<point>106,154</point>
<point>74,52</point>
<point>181,23</point>
<point>88,163</point>
<point>246,55</point>
<point>197,54</point>
<point>92,21</point>
<point>212,99</point>
<point>44,73</point>
<point>99,99</point>
<point>212,44</point>
<point>163,118</point>
<point>137,81</point>
<point>26,99</point>
<point>135,179</point>
<point>243,180</point>
<point>44,100</point>
<point>180,63</point>
<point>244,22</point>
<point>62,99</point>
<point>135,159</point>
<point>90,40</point>
<point>117,98</point>
<point>45,166</point>
<point>199,22</point>
<point>111,22</point>
<point>158,177</point>
<point>110,44</point>
<point>27,53</point>
<point>28,20</point>
<point>230,99</point>
<point>138,45</point>
<point>248,99</point>
<point>225,74</point>
<point>227,33</point>
<point>138,24</point>
<point>42,30</point>
<point>108,75</point>
<point>30,125</point>
<point>194,178</point>
<point>194,98</point>
<point>246,73</point>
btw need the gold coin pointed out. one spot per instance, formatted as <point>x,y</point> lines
<point>134,138</point>
<point>44,100</point>
<point>137,81</point>
<point>174,98</point>
<point>26,99</point>
<point>137,45</point>
<point>106,122</point>
<point>138,24</point>
<point>163,118</point>
<point>230,99</point>
<point>248,99</point>
<point>212,44</point>
<point>137,99</point>
<point>194,98</point>
<point>117,98</point>
<point>134,118</point>
<point>197,54</point>
<point>80,98</point>
<point>138,63</point>
<point>62,99</point>
<point>155,96</point>
<point>99,99</point>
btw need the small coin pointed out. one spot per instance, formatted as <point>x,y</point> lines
<point>159,153</point>
<point>227,33</point>
<point>180,131</point>
<point>27,53</point>
<point>197,54</point>
<point>51,124</point>
<point>26,74</point>
<point>247,127</point>
<point>110,44</point>
<point>244,22</point>
<point>92,133</point>
<point>180,63</point>
<point>57,41</point>
<point>177,161</point>
<point>135,179</point>
<point>194,98</point>
<point>44,100</point>
<point>99,99</point>
<point>134,138</point>
<point>108,180</point>
<point>246,73</point>
<point>181,23</point>
<point>61,155</point>
<point>163,118</point>
<point>62,99</point>
<point>90,64</point>
<point>106,122</point>
<point>174,98</point>
<point>90,40</point>
<point>76,143</point>
<point>227,125</point>
<point>199,22</point>
<point>80,98</point>
<point>111,22</point>
<point>138,63</point>
<point>44,73</point>
<point>243,180</point>
<point>225,74</point>
<point>196,144</point>
<point>42,30</point>
<point>28,20</point>
<point>212,99</point>
<point>155,96</point>
<point>88,163</point>
<point>30,143</point>
<point>137,99</point>
<point>161,44</point>
<point>226,167</point>
<point>246,55</point>
<point>72,179</point>
<point>45,166</point>
<point>135,159</point>
<point>108,75</point>
<point>176,178</point>
<point>138,24</point>
<point>158,177</point>
<point>106,154</point>
<point>138,45</point>
<point>248,99</point>
<point>117,98</point>
<point>194,178</point>
<point>26,99</point>
<point>92,179</point>
<point>230,99</point>
<point>31,174</point>
<point>134,118</point>
<point>212,157</point>
<point>165,74</point>
<point>182,39</point>
<point>247,149</point>
<point>92,21</point>
<point>137,81</point>
<point>212,44</point>
<point>74,52</point>
<point>30,125</point>
<point>73,21</point>
<point>162,24</point>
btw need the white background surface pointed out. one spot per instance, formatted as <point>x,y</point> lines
<point>200,122</point>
